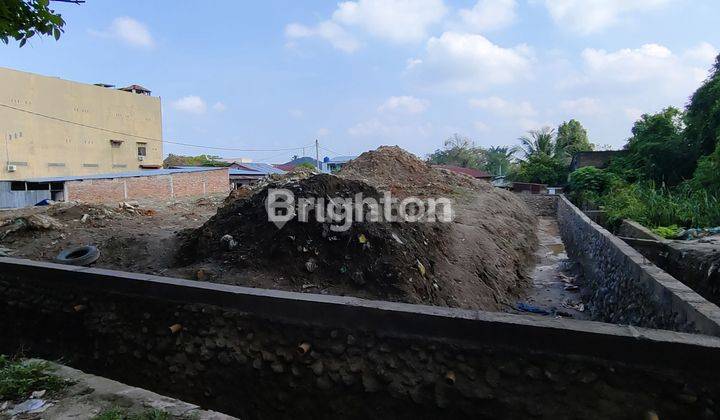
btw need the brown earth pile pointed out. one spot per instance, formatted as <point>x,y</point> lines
<point>393,169</point>
<point>477,261</point>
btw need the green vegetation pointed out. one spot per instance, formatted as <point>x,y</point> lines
<point>22,19</point>
<point>306,165</point>
<point>544,156</point>
<point>116,413</point>
<point>667,232</point>
<point>201,160</point>
<point>669,177</point>
<point>18,378</point>
<point>459,151</point>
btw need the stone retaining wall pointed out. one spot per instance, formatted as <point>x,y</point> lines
<point>541,204</point>
<point>263,354</point>
<point>624,287</point>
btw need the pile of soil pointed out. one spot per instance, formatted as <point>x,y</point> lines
<point>387,260</point>
<point>390,168</point>
<point>478,261</point>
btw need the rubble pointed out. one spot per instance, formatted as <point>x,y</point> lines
<point>32,222</point>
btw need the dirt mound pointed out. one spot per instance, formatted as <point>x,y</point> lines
<point>386,260</point>
<point>477,261</point>
<point>402,173</point>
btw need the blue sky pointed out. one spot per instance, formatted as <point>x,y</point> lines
<point>359,74</point>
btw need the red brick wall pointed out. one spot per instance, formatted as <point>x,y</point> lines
<point>153,186</point>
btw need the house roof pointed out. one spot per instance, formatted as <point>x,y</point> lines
<point>137,88</point>
<point>131,174</point>
<point>255,169</point>
<point>475,173</point>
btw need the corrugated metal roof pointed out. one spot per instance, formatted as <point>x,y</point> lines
<point>262,167</point>
<point>132,174</point>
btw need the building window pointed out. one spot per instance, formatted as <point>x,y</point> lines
<point>115,144</point>
<point>142,149</point>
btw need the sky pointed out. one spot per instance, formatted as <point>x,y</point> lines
<point>273,75</point>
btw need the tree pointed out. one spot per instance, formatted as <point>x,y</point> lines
<point>201,160</point>
<point>499,159</point>
<point>542,162</point>
<point>459,151</point>
<point>657,150</point>
<point>703,113</point>
<point>707,173</point>
<point>22,19</point>
<point>538,143</point>
<point>542,169</point>
<point>571,138</point>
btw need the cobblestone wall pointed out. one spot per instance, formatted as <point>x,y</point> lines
<point>541,204</point>
<point>342,360</point>
<point>625,288</point>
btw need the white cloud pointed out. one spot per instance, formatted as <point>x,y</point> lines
<point>589,16</point>
<point>703,52</point>
<point>470,62</point>
<point>481,127</point>
<point>378,128</point>
<point>499,106</point>
<point>330,31</point>
<point>396,20</point>
<point>219,107</point>
<point>412,62</point>
<point>129,31</point>
<point>652,64</point>
<point>489,15</point>
<point>406,104</point>
<point>399,21</point>
<point>581,106</point>
<point>633,114</point>
<point>191,104</point>
<point>322,132</point>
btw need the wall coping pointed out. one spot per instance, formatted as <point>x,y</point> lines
<point>682,297</point>
<point>625,344</point>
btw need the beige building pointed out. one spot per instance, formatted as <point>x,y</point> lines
<point>54,127</point>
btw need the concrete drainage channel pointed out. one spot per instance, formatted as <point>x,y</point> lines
<point>257,353</point>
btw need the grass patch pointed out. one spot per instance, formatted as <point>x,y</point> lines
<point>121,414</point>
<point>18,378</point>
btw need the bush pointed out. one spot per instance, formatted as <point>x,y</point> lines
<point>588,184</point>
<point>651,206</point>
<point>20,377</point>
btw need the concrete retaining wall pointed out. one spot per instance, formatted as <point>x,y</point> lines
<point>235,350</point>
<point>624,287</point>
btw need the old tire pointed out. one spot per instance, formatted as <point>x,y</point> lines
<point>79,255</point>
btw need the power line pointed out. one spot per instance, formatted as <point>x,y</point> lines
<point>148,138</point>
<point>331,151</point>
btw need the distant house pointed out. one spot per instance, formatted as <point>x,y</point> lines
<point>332,165</point>
<point>599,159</point>
<point>233,161</point>
<point>475,173</point>
<point>250,173</point>
<point>529,188</point>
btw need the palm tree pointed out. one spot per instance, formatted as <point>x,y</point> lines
<point>538,143</point>
<point>499,159</point>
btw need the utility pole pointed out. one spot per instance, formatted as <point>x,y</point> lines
<point>317,155</point>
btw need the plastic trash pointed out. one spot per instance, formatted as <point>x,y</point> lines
<point>532,309</point>
<point>27,406</point>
